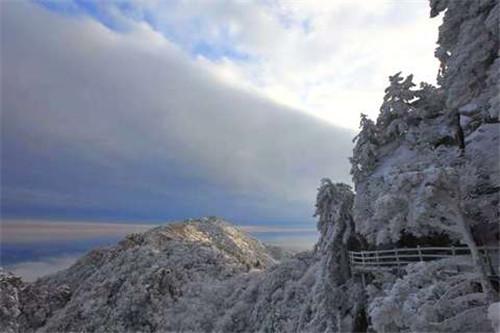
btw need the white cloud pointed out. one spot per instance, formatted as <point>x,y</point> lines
<point>32,270</point>
<point>119,121</point>
<point>26,231</point>
<point>117,98</point>
<point>330,59</point>
<point>294,244</point>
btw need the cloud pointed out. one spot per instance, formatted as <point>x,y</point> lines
<point>338,67</point>
<point>39,231</point>
<point>31,270</point>
<point>34,248</point>
<point>31,231</point>
<point>257,229</point>
<point>124,125</point>
<point>329,58</point>
<point>294,244</point>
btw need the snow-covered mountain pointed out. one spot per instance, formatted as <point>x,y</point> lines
<point>133,285</point>
<point>426,172</point>
<point>199,275</point>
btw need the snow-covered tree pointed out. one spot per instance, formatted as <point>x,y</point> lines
<point>337,291</point>
<point>396,108</point>
<point>438,296</point>
<point>440,206</point>
<point>334,208</point>
<point>494,316</point>
<point>429,196</point>
<point>364,154</point>
<point>468,45</point>
<point>430,201</point>
<point>429,103</point>
<point>335,224</point>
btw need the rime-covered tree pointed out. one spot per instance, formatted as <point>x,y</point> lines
<point>335,224</point>
<point>430,201</point>
<point>440,206</point>
<point>334,212</point>
<point>468,46</point>
<point>396,108</point>
<point>365,150</point>
<point>429,103</point>
<point>437,296</point>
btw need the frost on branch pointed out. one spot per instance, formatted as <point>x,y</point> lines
<point>468,46</point>
<point>334,212</point>
<point>391,159</point>
<point>365,150</point>
<point>407,118</point>
<point>396,109</point>
<point>335,224</point>
<point>494,316</point>
<point>438,296</point>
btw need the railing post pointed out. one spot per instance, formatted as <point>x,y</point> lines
<point>397,256</point>
<point>420,253</point>
<point>362,258</point>
<point>377,260</point>
<point>452,250</point>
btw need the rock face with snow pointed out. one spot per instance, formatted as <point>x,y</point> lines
<point>427,172</point>
<point>435,147</point>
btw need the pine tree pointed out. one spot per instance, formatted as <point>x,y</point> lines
<point>334,211</point>
<point>365,151</point>
<point>396,108</point>
<point>440,206</point>
<point>468,46</point>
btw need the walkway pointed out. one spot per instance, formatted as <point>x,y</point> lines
<point>366,261</point>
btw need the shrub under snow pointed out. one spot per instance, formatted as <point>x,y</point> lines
<point>438,296</point>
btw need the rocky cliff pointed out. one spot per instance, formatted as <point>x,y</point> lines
<point>433,153</point>
<point>427,172</point>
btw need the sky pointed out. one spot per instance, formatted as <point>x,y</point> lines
<point>145,111</point>
<point>33,248</point>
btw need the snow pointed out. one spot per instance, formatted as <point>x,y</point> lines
<point>199,275</point>
<point>439,296</point>
<point>428,165</point>
<point>494,316</point>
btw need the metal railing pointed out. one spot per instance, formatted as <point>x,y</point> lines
<point>397,258</point>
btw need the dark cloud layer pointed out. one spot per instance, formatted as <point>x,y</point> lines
<point>102,125</point>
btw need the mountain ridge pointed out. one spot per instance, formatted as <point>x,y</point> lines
<point>160,261</point>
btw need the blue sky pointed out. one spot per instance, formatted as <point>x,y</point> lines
<point>120,16</point>
<point>163,110</point>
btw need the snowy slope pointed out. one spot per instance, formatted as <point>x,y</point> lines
<point>199,275</point>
